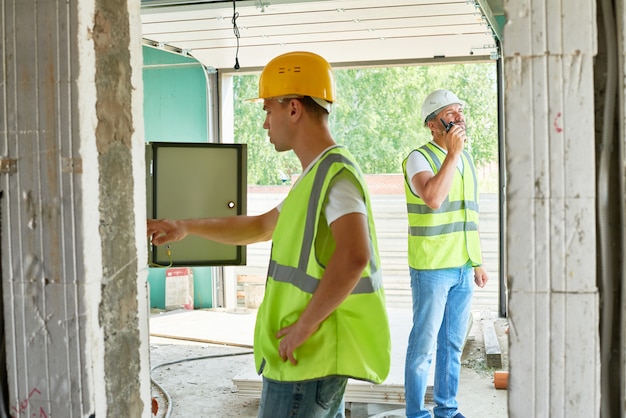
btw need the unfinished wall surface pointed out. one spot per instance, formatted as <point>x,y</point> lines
<point>550,201</point>
<point>119,307</point>
<point>74,292</point>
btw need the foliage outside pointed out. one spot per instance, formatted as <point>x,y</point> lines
<point>377,116</point>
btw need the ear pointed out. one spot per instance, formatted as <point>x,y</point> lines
<point>295,108</point>
<point>431,125</point>
<point>435,128</point>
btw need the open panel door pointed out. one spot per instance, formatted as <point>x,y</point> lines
<point>196,180</point>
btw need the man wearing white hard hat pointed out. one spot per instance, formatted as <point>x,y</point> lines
<point>444,254</point>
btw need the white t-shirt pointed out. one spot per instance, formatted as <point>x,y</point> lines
<point>344,196</point>
<point>416,163</point>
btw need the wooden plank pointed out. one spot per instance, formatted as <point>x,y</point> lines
<point>493,352</point>
<point>249,385</point>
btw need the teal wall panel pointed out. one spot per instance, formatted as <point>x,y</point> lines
<point>202,287</point>
<point>156,279</point>
<point>175,110</point>
<point>175,97</point>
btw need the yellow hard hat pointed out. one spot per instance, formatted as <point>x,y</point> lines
<point>298,74</point>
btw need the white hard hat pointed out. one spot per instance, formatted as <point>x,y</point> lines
<point>437,100</point>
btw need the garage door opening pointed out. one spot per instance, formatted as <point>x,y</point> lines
<point>380,130</point>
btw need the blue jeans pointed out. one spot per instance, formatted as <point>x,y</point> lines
<point>312,399</point>
<point>441,308</point>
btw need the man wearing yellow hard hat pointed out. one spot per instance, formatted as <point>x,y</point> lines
<point>323,318</point>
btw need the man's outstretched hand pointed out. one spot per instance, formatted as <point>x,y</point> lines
<point>163,231</point>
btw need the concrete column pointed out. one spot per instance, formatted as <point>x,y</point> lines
<point>73,208</point>
<point>549,49</point>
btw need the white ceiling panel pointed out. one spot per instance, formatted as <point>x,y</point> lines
<point>342,31</point>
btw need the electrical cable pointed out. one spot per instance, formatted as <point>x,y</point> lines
<point>168,399</point>
<point>606,272</point>
<point>168,251</point>
<point>167,396</point>
<point>236,31</point>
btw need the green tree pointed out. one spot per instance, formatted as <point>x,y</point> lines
<point>378,116</point>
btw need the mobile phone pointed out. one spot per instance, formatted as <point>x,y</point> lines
<point>447,125</point>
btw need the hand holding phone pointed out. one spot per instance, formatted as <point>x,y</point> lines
<point>447,126</point>
<point>451,140</point>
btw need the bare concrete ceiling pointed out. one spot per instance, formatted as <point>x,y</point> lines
<point>347,32</point>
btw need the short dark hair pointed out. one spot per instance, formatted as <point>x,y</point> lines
<point>310,105</point>
<point>430,117</point>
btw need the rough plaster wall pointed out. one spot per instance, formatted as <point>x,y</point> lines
<point>75,300</point>
<point>119,312</point>
<point>550,242</point>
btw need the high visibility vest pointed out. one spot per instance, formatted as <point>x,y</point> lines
<point>354,340</point>
<point>446,237</point>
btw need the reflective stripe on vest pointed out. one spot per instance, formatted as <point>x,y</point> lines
<point>354,339</point>
<point>298,276</point>
<point>457,218</point>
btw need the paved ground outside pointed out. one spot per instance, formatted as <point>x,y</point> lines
<point>197,365</point>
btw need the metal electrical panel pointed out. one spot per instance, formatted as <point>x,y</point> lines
<point>196,180</point>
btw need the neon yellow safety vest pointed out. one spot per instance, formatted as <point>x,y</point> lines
<point>354,340</point>
<point>446,237</point>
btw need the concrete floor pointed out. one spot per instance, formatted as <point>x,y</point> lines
<point>200,359</point>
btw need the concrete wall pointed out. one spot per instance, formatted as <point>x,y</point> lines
<point>73,281</point>
<point>549,51</point>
